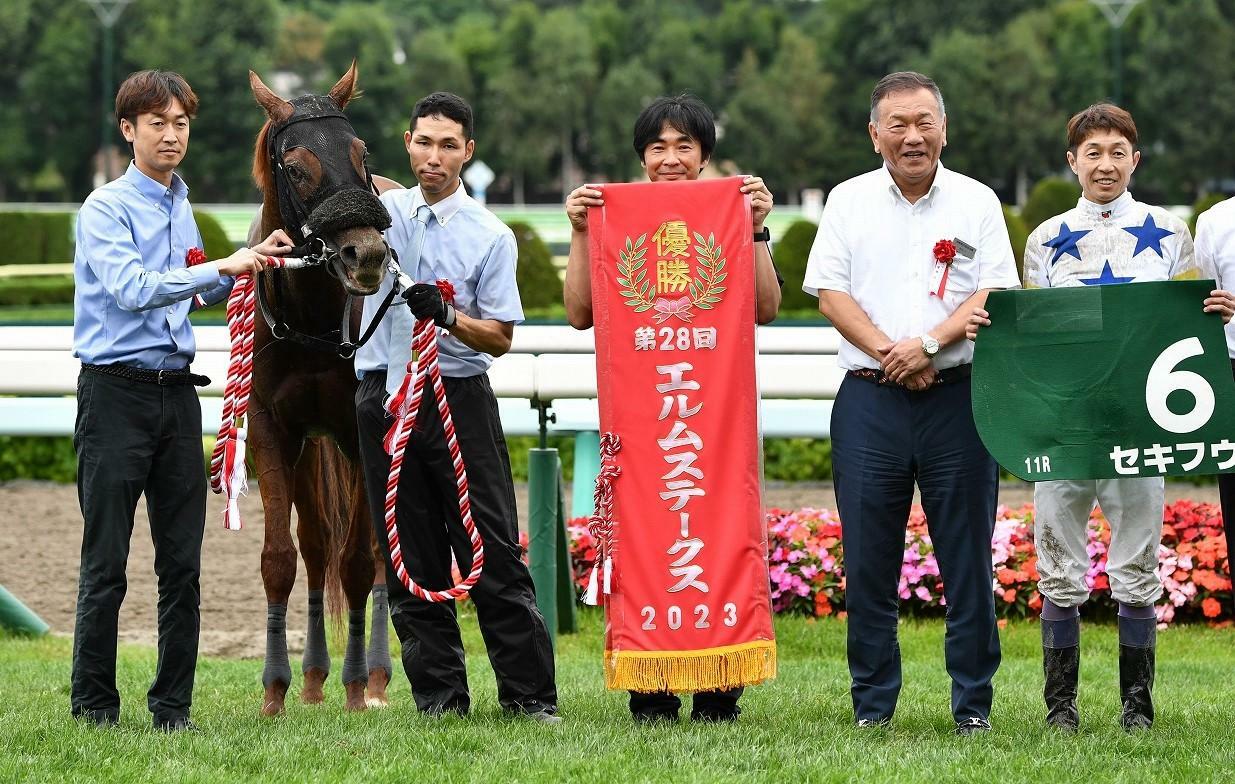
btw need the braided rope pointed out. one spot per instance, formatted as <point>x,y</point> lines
<point>424,363</point>
<point>227,470</point>
<point>600,523</point>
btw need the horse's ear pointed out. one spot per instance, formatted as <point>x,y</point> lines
<point>276,108</point>
<point>345,88</point>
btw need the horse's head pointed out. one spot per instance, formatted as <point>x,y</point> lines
<point>310,158</point>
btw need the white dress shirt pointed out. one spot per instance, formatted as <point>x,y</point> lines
<point>879,249</point>
<point>1215,251</point>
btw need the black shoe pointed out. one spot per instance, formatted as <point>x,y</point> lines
<point>973,726</point>
<point>1136,682</point>
<point>655,717</point>
<point>178,724</point>
<point>716,714</point>
<point>98,717</point>
<point>445,711</point>
<point>1061,671</point>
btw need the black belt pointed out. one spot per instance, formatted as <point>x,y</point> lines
<point>164,378</point>
<point>946,376</point>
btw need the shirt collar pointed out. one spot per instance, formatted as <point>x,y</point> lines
<point>1112,209</point>
<point>152,189</point>
<point>895,191</point>
<point>445,209</point>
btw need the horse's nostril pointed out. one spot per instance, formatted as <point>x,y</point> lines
<point>350,258</point>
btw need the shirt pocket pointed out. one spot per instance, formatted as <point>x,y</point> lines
<point>962,281</point>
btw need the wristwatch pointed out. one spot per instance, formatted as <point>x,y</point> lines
<point>930,346</point>
<point>765,235</point>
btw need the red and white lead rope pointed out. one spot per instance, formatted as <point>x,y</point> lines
<point>600,524</point>
<point>227,468</point>
<point>423,363</point>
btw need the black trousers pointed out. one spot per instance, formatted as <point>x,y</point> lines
<point>430,525</point>
<point>1226,495</point>
<point>883,439</point>
<point>133,438</point>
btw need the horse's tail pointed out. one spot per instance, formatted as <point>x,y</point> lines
<point>324,467</point>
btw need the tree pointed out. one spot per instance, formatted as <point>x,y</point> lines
<point>773,126</point>
<point>623,93</point>
<point>213,44</point>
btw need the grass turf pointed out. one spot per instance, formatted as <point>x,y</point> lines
<point>796,728</point>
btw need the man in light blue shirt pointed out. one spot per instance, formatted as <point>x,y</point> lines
<point>139,423</point>
<point>441,233</point>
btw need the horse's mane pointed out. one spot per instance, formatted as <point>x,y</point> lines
<point>263,175</point>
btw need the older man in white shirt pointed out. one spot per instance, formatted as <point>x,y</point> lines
<point>1215,252</point>
<point>903,255</point>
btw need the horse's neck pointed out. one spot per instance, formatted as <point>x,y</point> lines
<point>311,299</point>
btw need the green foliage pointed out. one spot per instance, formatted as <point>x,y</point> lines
<point>36,237</point>
<point>1049,197</point>
<point>797,459</point>
<point>539,285</point>
<point>1202,204</point>
<point>217,245</point>
<point>518,447</point>
<point>36,290</point>
<point>791,252</point>
<point>1018,234</point>
<point>48,459</point>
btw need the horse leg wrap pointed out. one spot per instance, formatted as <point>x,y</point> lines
<point>379,636</point>
<point>316,654</point>
<point>354,667</point>
<point>278,668</point>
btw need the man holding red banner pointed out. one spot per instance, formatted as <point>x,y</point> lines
<point>903,255</point>
<point>649,649</point>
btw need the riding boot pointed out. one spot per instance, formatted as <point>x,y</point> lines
<point>1061,662</point>
<point>1137,643</point>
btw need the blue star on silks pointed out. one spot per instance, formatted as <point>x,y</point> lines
<point>1106,278</point>
<point>1148,235</point>
<point>1065,242</point>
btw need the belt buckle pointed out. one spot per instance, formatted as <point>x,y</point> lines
<point>160,379</point>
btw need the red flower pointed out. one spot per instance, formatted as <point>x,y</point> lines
<point>194,256</point>
<point>945,251</point>
<point>448,291</point>
<point>1211,608</point>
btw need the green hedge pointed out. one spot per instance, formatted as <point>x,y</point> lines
<point>1018,234</point>
<point>217,245</point>
<point>791,252</point>
<point>36,237</point>
<point>539,285</point>
<point>40,290</point>
<point>1202,204</point>
<point>1049,197</point>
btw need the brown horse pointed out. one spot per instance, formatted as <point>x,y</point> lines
<point>302,417</point>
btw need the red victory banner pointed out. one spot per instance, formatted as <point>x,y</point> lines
<point>680,510</point>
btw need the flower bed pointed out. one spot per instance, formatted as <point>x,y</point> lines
<point>806,564</point>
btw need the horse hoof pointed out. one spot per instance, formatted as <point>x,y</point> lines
<point>313,691</point>
<point>375,691</point>
<point>355,696</point>
<point>273,699</point>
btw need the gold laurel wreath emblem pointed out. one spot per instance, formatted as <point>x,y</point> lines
<point>706,285</point>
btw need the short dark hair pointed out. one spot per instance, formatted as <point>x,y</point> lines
<point>447,105</point>
<point>686,113</point>
<point>153,91</point>
<point>903,81</point>
<point>1100,117</point>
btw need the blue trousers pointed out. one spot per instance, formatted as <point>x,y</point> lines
<point>884,438</point>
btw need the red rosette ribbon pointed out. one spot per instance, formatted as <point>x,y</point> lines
<point>945,253</point>
<point>448,291</point>
<point>194,257</point>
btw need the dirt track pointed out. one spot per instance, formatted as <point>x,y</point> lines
<point>40,542</point>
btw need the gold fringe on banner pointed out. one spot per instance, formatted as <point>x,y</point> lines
<point>709,669</point>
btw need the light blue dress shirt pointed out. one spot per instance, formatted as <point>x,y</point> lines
<point>469,246</point>
<point>133,292</point>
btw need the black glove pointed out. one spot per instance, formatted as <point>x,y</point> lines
<point>425,301</point>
